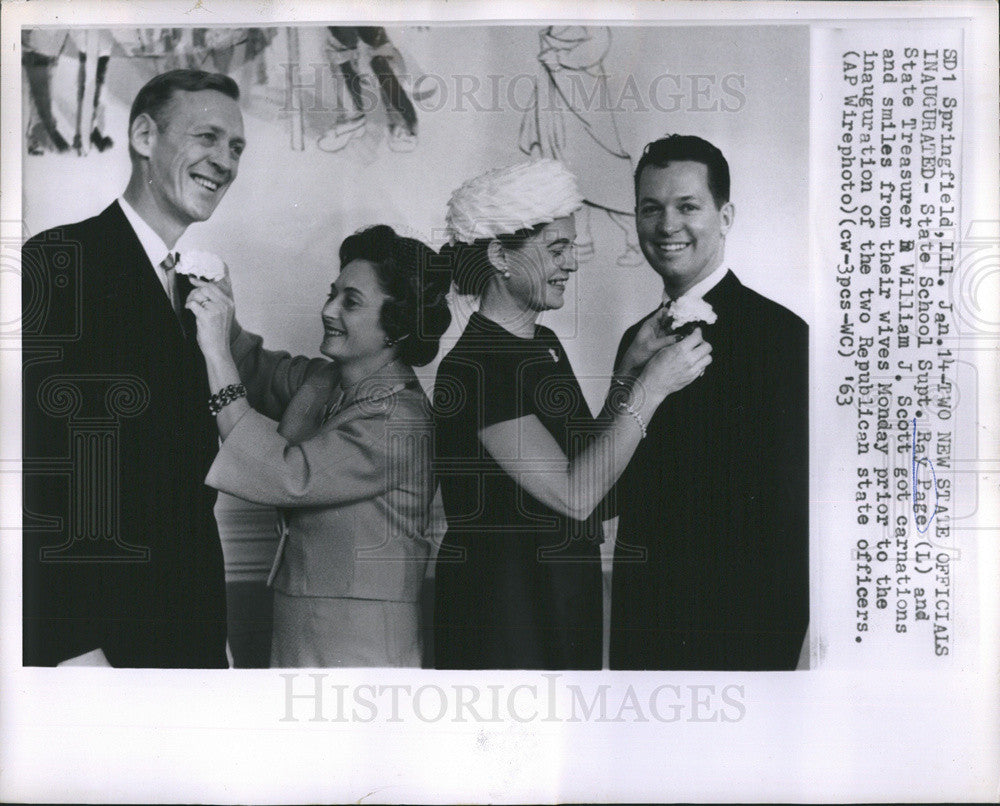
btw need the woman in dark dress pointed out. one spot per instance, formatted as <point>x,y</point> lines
<point>522,463</point>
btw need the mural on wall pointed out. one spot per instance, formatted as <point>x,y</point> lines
<point>238,52</point>
<point>41,51</point>
<point>571,118</point>
<point>220,50</point>
<point>365,124</point>
<point>343,51</point>
<point>368,73</point>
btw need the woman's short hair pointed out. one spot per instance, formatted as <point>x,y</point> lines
<point>416,281</point>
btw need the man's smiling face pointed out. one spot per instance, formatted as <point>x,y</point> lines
<point>681,231</point>
<point>194,158</point>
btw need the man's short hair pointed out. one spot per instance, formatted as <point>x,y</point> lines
<point>688,148</point>
<point>154,97</point>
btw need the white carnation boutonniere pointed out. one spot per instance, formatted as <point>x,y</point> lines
<point>684,314</point>
<point>203,265</point>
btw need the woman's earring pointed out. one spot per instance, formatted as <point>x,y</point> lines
<point>505,274</point>
<point>388,342</point>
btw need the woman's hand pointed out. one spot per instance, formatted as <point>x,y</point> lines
<point>651,337</point>
<point>213,309</point>
<point>676,365</point>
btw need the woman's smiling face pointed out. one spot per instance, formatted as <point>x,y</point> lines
<point>352,328</point>
<point>541,266</point>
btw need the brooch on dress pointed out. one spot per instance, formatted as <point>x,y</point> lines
<point>553,354</point>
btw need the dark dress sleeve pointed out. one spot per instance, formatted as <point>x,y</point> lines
<point>502,391</point>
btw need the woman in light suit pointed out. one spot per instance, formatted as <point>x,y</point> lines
<point>342,448</point>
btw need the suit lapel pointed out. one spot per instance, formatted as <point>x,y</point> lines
<point>723,294</point>
<point>137,282</point>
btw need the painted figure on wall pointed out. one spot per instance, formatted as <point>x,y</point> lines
<point>571,119</point>
<point>41,50</point>
<point>342,47</point>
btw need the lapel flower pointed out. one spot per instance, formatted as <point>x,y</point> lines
<point>686,313</point>
<point>203,265</point>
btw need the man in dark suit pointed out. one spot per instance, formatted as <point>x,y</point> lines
<point>711,559</point>
<point>122,559</point>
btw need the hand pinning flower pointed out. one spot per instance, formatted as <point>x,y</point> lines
<point>204,265</point>
<point>686,313</point>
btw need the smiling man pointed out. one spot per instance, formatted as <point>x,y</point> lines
<point>711,558</point>
<point>122,559</point>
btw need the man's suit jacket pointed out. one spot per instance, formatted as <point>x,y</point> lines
<point>711,560</point>
<point>121,548</point>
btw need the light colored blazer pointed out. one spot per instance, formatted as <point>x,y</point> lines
<point>353,491</point>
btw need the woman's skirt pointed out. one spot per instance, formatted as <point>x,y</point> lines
<point>322,632</point>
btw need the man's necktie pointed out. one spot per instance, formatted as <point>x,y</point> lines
<point>168,264</point>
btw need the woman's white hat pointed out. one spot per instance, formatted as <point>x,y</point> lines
<point>505,200</point>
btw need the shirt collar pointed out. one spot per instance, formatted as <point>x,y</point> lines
<point>152,244</point>
<point>703,286</point>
